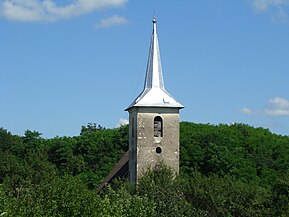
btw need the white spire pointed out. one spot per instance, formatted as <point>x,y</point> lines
<point>154,93</point>
<point>154,76</point>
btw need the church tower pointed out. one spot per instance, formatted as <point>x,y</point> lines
<point>153,121</point>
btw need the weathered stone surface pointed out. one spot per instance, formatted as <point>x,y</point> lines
<point>143,144</point>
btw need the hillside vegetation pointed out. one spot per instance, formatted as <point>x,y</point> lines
<point>234,170</point>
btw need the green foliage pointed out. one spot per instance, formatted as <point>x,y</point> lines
<point>61,196</point>
<point>238,150</point>
<point>163,188</point>
<point>31,136</point>
<point>90,155</point>
<point>280,197</point>
<point>68,196</point>
<point>2,201</point>
<point>122,202</point>
<point>90,128</point>
<point>226,196</point>
<point>6,140</point>
<point>20,173</point>
<point>226,170</point>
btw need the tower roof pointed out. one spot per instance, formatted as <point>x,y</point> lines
<point>154,93</point>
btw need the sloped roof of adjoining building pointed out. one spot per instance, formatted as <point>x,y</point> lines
<point>120,170</point>
<point>154,93</point>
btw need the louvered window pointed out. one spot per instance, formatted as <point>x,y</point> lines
<point>158,126</point>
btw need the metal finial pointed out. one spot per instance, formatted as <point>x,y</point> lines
<point>154,19</point>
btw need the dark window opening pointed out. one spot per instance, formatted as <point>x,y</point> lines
<point>158,127</point>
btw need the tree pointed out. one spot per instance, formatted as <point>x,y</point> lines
<point>163,187</point>
<point>90,128</point>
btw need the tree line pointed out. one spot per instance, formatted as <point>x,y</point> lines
<point>225,170</point>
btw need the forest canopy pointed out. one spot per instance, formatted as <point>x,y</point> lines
<point>225,170</point>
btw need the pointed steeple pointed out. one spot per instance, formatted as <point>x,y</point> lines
<point>154,75</point>
<point>154,93</point>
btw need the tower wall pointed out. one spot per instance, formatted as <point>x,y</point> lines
<point>146,150</point>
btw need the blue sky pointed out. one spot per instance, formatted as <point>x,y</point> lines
<point>67,63</point>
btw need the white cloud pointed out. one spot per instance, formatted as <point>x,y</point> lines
<point>48,10</point>
<point>276,106</point>
<point>279,102</point>
<point>246,111</point>
<point>112,21</point>
<point>279,8</point>
<point>264,5</point>
<point>277,112</point>
<point>122,122</point>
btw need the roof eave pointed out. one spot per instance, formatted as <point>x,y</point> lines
<point>155,106</point>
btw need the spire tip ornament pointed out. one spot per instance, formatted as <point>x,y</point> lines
<point>154,19</point>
